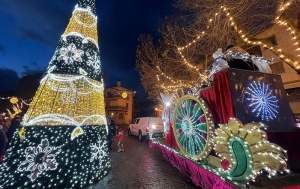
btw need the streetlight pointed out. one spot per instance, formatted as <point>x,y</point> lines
<point>168,105</point>
<point>167,100</point>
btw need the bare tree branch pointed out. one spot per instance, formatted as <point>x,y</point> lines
<point>199,28</point>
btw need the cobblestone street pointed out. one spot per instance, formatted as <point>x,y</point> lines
<point>140,167</point>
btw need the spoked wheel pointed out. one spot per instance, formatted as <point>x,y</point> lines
<point>193,127</point>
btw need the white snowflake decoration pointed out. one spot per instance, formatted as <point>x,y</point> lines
<point>39,159</point>
<point>98,150</point>
<point>70,54</point>
<point>94,61</point>
<point>262,101</point>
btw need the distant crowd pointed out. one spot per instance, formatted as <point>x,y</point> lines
<point>7,129</point>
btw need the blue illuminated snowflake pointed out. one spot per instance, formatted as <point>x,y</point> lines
<point>262,101</point>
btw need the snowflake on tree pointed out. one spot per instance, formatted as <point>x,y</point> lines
<point>70,54</point>
<point>94,61</point>
<point>98,150</point>
<point>39,159</point>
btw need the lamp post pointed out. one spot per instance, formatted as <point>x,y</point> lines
<point>168,105</point>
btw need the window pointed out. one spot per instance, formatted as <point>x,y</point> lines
<point>137,121</point>
<point>121,116</point>
<point>255,50</point>
<point>277,68</point>
<point>273,40</point>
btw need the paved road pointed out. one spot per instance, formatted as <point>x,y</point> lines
<point>140,167</point>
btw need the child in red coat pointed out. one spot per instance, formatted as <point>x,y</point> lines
<point>120,136</point>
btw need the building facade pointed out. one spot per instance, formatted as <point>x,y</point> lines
<point>120,104</point>
<point>136,108</point>
<point>282,38</point>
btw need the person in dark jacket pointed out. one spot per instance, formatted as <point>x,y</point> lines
<point>3,141</point>
<point>111,133</point>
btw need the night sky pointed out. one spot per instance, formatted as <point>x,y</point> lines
<point>31,29</point>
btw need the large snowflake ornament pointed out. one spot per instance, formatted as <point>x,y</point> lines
<point>98,150</point>
<point>262,101</point>
<point>39,159</point>
<point>93,60</point>
<point>70,54</point>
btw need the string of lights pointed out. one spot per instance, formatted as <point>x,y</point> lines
<point>243,36</point>
<point>55,119</point>
<point>283,7</point>
<point>8,98</point>
<point>164,75</point>
<point>176,86</point>
<point>172,87</point>
<point>169,78</point>
<point>188,64</point>
<point>274,49</point>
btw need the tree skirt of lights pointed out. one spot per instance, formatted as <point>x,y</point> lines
<point>56,157</point>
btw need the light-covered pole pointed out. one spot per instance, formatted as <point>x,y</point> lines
<point>168,105</point>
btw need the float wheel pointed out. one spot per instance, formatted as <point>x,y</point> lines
<point>193,127</point>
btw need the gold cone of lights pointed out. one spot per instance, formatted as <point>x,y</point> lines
<point>62,140</point>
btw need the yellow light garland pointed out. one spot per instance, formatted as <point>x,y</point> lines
<point>67,100</point>
<point>187,63</point>
<point>274,49</point>
<point>168,77</point>
<point>84,23</point>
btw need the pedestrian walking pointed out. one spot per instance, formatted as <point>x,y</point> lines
<point>120,136</point>
<point>111,134</point>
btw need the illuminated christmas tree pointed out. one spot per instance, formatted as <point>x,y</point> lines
<point>62,140</point>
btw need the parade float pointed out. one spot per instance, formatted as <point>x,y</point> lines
<point>62,139</point>
<point>233,132</point>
